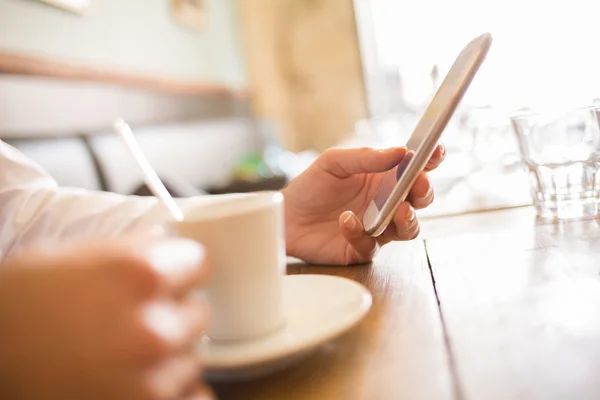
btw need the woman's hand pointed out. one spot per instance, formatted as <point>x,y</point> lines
<point>324,205</point>
<point>106,320</point>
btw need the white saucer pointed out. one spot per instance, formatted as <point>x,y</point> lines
<point>317,308</point>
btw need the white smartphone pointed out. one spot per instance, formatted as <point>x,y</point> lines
<point>397,183</point>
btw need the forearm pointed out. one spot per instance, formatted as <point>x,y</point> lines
<point>54,215</point>
<point>31,215</point>
<point>34,209</point>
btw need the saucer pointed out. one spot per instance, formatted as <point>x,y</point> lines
<point>317,309</point>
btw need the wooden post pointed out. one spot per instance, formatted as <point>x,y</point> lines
<point>304,68</point>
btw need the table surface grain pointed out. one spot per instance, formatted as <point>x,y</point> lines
<point>490,305</point>
<point>398,350</point>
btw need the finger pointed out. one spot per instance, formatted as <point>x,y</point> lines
<point>174,377</point>
<point>362,246</point>
<point>405,224</point>
<point>407,228</point>
<point>147,266</point>
<point>343,163</point>
<point>181,262</point>
<point>169,328</point>
<point>438,156</point>
<point>421,195</point>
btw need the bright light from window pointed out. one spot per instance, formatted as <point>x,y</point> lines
<point>544,53</point>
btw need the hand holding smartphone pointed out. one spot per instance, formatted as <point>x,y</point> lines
<point>397,183</point>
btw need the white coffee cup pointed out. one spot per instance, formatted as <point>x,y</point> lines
<point>244,239</point>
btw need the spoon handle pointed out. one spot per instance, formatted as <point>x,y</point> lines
<point>150,176</point>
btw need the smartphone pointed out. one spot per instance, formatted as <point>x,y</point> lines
<point>397,182</point>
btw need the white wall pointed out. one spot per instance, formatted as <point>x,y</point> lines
<point>130,35</point>
<point>64,107</point>
<point>137,36</point>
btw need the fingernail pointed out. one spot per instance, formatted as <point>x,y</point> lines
<point>429,188</point>
<point>350,221</point>
<point>164,320</point>
<point>442,149</point>
<point>410,216</point>
<point>429,191</point>
<point>175,256</point>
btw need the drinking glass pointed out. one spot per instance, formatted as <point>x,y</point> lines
<point>561,150</point>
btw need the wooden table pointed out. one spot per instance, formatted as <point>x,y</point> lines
<point>520,301</point>
<point>492,305</point>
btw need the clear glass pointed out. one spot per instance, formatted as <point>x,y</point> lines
<point>562,153</point>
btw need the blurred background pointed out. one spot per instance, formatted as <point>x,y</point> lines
<point>241,95</point>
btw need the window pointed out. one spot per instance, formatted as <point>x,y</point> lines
<point>544,53</point>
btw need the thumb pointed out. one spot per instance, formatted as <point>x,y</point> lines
<point>343,163</point>
<point>363,247</point>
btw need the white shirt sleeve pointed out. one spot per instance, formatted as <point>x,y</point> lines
<point>34,209</point>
